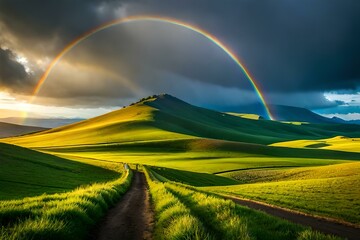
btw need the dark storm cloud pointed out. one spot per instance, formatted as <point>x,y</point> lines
<point>289,47</point>
<point>12,73</point>
<point>39,23</point>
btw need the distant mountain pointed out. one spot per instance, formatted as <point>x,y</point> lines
<point>9,130</point>
<point>41,122</point>
<point>288,113</point>
<point>340,120</point>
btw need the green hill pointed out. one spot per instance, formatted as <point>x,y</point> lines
<point>165,117</point>
<point>25,173</point>
<point>165,131</point>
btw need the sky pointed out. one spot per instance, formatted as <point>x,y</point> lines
<point>303,54</point>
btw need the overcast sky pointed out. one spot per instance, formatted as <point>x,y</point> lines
<point>301,53</point>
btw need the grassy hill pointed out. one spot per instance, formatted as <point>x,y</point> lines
<point>25,173</point>
<point>165,131</point>
<point>166,117</point>
<point>9,129</point>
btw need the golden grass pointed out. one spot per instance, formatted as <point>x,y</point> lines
<point>339,143</point>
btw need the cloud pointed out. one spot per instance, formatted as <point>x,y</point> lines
<point>295,51</point>
<point>13,74</point>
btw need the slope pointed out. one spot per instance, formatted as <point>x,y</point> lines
<point>9,129</point>
<point>25,173</point>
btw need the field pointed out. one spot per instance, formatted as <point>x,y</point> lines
<point>190,153</point>
<point>326,191</point>
<point>186,213</point>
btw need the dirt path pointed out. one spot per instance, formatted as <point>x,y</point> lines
<point>131,218</point>
<point>324,225</point>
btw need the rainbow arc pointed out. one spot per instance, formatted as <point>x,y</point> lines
<point>196,29</point>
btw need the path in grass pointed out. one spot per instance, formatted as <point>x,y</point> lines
<point>324,225</point>
<point>131,218</point>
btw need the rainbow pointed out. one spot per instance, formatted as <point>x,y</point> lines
<point>198,30</point>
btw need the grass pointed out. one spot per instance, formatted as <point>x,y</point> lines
<point>211,161</point>
<point>193,178</point>
<point>216,218</point>
<point>173,219</point>
<point>245,115</point>
<point>60,216</point>
<point>327,191</point>
<point>26,173</point>
<point>339,143</point>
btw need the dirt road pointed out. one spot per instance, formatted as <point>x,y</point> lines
<point>131,218</point>
<point>320,224</point>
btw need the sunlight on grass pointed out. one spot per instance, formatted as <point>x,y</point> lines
<point>328,190</point>
<point>337,143</point>
<point>60,216</point>
<point>218,218</point>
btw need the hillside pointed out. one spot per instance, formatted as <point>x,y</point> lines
<point>165,117</point>
<point>9,129</point>
<point>41,122</point>
<point>25,173</point>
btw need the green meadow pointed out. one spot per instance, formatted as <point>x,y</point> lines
<point>183,212</point>
<point>190,153</point>
<point>326,191</point>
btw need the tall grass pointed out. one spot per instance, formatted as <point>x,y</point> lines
<point>173,219</point>
<point>60,216</point>
<point>219,214</point>
<point>220,218</point>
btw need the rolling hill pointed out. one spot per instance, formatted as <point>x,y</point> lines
<point>9,130</point>
<point>26,173</point>
<point>164,117</point>
<point>41,122</point>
